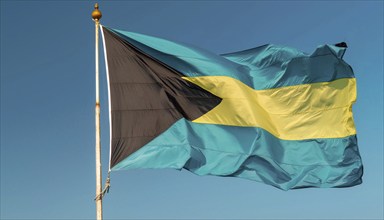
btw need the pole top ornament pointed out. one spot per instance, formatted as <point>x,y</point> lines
<point>96,14</point>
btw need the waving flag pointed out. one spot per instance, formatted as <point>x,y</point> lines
<point>271,114</point>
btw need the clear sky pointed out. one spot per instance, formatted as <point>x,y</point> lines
<point>47,108</point>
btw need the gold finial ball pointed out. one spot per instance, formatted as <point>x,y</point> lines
<point>96,14</point>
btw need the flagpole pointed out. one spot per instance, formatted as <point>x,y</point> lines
<point>96,15</point>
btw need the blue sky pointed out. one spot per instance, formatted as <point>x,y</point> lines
<point>47,108</point>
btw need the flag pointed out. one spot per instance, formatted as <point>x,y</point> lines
<point>271,114</point>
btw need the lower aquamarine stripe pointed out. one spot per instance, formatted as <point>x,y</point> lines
<point>251,153</point>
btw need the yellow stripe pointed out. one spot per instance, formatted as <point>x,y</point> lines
<point>318,110</point>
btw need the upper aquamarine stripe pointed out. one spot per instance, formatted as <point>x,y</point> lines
<point>251,153</point>
<point>265,67</point>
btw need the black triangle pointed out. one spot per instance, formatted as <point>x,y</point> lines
<point>147,97</point>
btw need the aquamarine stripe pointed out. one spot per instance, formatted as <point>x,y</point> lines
<point>251,153</point>
<point>268,66</point>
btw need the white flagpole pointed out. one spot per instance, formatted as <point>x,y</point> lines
<point>96,15</point>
